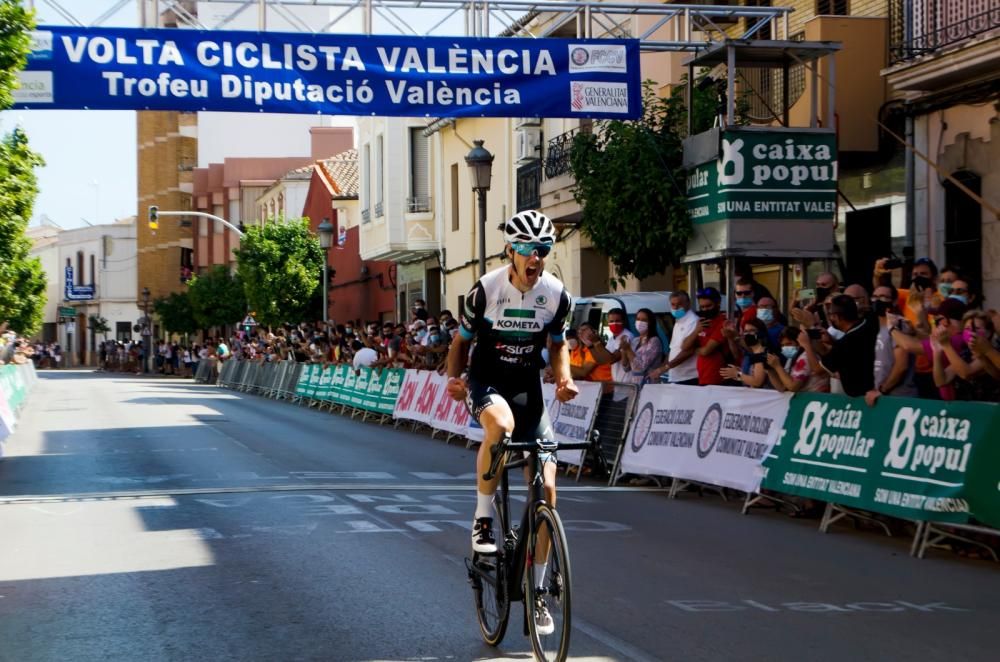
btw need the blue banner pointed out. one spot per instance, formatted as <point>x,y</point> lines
<point>333,74</point>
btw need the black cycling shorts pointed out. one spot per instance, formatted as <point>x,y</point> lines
<point>531,419</point>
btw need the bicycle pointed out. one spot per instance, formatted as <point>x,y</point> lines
<point>508,576</point>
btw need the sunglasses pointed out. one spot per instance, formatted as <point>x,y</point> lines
<point>744,293</point>
<point>527,249</point>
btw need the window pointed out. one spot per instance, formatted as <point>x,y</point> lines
<point>765,30</point>
<point>832,8</point>
<point>366,178</point>
<point>379,183</point>
<point>79,267</point>
<point>455,216</point>
<point>123,331</point>
<point>187,264</point>
<point>419,171</point>
<point>93,270</point>
<point>963,226</point>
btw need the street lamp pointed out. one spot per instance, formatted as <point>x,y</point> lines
<point>147,329</point>
<point>325,232</point>
<point>480,164</point>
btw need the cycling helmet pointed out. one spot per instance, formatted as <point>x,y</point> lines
<point>529,226</point>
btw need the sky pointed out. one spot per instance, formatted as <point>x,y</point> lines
<point>90,171</point>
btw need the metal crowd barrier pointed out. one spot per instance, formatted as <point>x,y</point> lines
<point>612,419</point>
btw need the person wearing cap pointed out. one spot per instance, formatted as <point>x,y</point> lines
<point>709,344</point>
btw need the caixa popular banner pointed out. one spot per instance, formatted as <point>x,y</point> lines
<point>187,70</point>
<point>915,459</point>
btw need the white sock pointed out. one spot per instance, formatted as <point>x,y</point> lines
<point>484,505</point>
<point>540,574</point>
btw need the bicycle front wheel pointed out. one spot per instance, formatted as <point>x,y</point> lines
<point>489,588</point>
<point>548,594</point>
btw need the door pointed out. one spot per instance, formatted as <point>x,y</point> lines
<point>869,237</point>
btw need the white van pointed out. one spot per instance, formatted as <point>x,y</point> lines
<point>595,311</point>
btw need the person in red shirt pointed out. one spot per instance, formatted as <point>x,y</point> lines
<point>710,342</point>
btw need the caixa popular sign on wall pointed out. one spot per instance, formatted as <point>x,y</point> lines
<point>769,192</point>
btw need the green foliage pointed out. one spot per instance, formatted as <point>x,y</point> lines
<point>98,324</point>
<point>176,313</point>
<point>281,266</point>
<point>216,298</point>
<point>631,185</point>
<point>15,44</point>
<point>22,281</point>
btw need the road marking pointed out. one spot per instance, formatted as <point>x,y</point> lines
<point>629,651</point>
<point>313,487</point>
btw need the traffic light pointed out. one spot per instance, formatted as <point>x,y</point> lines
<point>154,217</point>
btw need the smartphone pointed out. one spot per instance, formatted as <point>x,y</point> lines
<point>807,296</point>
<point>815,334</point>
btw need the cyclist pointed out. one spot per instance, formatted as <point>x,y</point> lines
<point>511,313</point>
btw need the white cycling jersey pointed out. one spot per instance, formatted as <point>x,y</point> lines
<point>511,327</point>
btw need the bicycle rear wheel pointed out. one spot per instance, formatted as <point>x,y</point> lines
<point>488,577</point>
<point>552,590</point>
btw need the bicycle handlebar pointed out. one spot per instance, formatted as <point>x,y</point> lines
<point>501,447</point>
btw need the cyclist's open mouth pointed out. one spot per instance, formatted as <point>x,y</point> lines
<point>531,272</point>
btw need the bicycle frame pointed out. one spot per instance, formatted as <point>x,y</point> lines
<point>515,542</point>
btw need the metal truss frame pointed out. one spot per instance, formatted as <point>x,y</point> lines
<point>693,26</point>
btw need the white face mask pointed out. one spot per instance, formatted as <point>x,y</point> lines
<point>835,333</point>
<point>641,326</point>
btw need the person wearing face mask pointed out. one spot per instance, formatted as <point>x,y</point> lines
<point>960,291</point>
<point>853,352</point>
<point>645,351</point>
<point>581,361</point>
<point>789,370</point>
<point>610,353</point>
<point>681,366</point>
<point>894,366</point>
<point>958,372</point>
<point>708,344</point>
<point>767,312</point>
<point>753,371</point>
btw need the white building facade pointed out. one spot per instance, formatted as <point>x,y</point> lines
<point>93,271</point>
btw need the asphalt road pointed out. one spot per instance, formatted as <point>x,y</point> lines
<point>155,519</point>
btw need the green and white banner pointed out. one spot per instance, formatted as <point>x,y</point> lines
<point>904,457</point>
<point>761,174</point>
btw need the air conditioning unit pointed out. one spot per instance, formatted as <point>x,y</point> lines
<point>529,142</point>
<point>527,121</point>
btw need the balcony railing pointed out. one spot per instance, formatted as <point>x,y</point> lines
<point>529,182</point>
<point>418,203</point>
<point>918,27</point>
<point>558,150</point>
<point>366,215</point>
<point>379,209</point>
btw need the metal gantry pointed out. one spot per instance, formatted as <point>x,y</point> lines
<point>690,27</point>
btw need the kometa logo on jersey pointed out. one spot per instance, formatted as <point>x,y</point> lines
<point>515,319</point>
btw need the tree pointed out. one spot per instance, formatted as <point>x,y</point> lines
<point>98,324</point>
<point>631,184</point>
<point>216,298</point>
<point>15,44</point>
<point>281,266</point>
<point>176,313</point>
<point>22,281</point>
